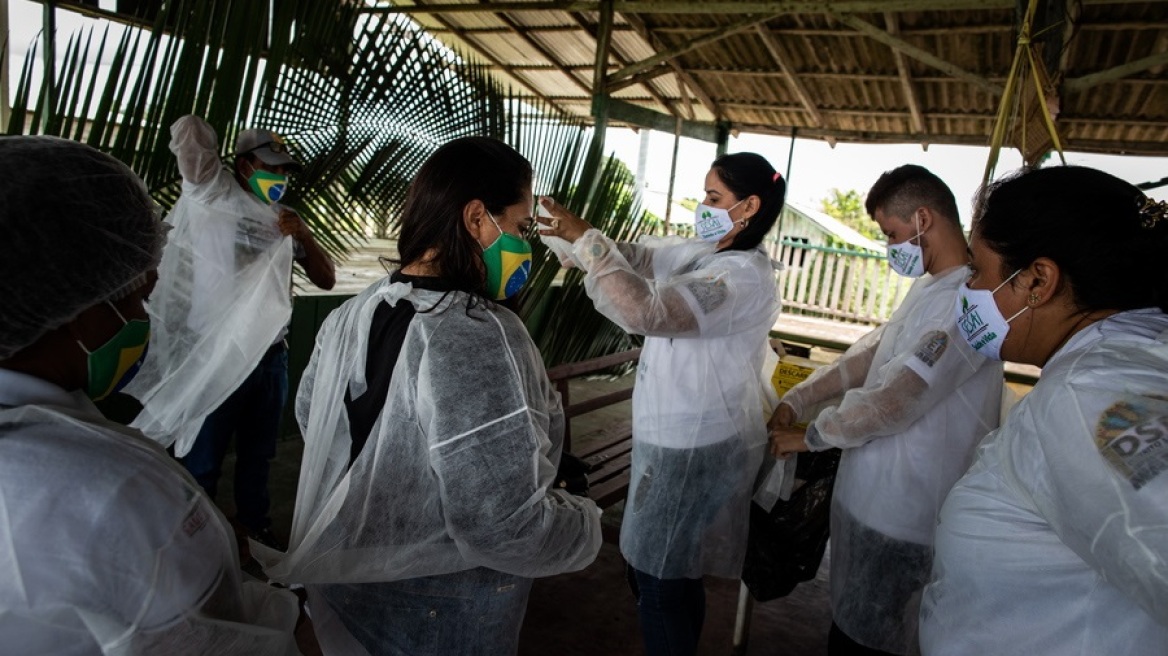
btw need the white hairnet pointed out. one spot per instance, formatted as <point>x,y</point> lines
<point>79,226</point>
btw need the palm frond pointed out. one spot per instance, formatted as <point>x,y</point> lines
<point>362,99</point>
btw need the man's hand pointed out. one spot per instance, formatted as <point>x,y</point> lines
<point>786,441</point>
<point>783,417</point>
<point>290,224</point>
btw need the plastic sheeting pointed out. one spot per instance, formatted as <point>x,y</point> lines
<point>700,400</point>
<point>456,473</point>
<point>222,298</point>
<point>108,547</point>
<point>908,428</point>
<point>1065,513</point>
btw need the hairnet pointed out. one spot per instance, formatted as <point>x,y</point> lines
<point>79,227</point>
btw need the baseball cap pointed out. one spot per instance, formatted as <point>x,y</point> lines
<point>266,145</point>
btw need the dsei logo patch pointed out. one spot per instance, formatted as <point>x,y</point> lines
<point>1132,435</point>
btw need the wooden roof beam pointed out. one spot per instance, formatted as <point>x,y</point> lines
<point>622,62</point>
<point>722,7</point>
<point>910,95</point>
<point>923,56</point>
<point>690,45</point>
<point>783,60</point>
<point>486,54</point>
<point>687,80</point>
<point>518,30</point>
<point>1079,84</point>
<point>640,78</point>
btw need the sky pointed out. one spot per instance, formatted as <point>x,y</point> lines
<point>816,167</point>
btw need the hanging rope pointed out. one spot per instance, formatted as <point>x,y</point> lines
<point>1024,57</point>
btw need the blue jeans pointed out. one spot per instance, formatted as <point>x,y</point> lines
<point>476,612</point>
<point>671,612</point>
<point>252,414</point>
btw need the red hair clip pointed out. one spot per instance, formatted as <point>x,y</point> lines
<point>777,176</point>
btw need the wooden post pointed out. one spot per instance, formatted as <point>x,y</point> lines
<point>672,175</point>
<point>722,130</point>
<point>600,92</point>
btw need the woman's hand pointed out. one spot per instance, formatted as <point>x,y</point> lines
<point>786,441</point>
<point>562,223</point>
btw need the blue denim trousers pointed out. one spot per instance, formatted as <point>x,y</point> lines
<point>476,612</point>
<point>252,414</point>
<point>671,612</point>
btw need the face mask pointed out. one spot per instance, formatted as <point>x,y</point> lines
<point>270,187</point>
<point>113,364</point>
<point>508,261</point>
<point>712,223</point>
<point>907,258</point>
<point>981,322</point>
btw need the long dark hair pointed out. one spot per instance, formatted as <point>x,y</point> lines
<point>1103,233</point>
<point>749,174</point>
<point>466,169</point>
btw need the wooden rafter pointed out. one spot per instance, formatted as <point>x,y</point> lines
<point>687,81</point>
<point>724,7</point>
<point>486,54</point>
<point>727,7</point>
<point>1117,73</point>
<point>517,29</point>
<point>785,64</point>
<point>622,61</point>
<point>923,56</point>
<point>910,95</point>
<point>706,39</point>
<point>640,78</point>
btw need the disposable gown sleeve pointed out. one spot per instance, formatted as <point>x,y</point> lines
<point>487,422</point>
<point>829,382</point>
<point>175,556</point>
<point>1101,486</point>
<point>196,149</point>
<point>701,303</point>
<point>913,383</point>
<point>639,257</point>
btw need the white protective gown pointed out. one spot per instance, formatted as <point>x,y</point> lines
<point>1056,541</point>
<point>916,400</point>
<point>699,403</point>
<point>222,296</point>
<point>107,546</point>
<point>457,471</point>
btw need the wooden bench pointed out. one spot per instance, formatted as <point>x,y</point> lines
<point>610,457</point>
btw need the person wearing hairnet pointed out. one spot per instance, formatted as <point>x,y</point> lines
<point>107,546</point>
<point>432,434</point>
<point>705,307</point>
<point>219,365</point>
<point>915,400</point>
<point>1056,539</point>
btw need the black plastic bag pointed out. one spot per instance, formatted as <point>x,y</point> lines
<point>786,545</point>
<point>573,475</point>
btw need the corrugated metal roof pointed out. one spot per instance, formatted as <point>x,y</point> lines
<point>915,71</point>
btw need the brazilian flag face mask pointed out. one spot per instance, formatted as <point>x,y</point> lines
<point>508,261</point>
<point>113,364</point>
<point>270,187</point>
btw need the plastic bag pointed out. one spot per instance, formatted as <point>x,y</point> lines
<point>786,545</point>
